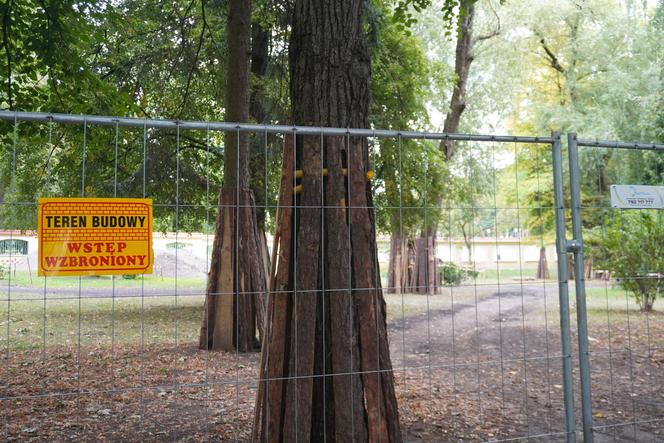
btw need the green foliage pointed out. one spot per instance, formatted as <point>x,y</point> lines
<point>453,12</point>
<point>564,81</point>
<point>469,188</point>
<point>632,248</point>
<point>453,275</point>
<point>411,174</point>
<point>404,18</point>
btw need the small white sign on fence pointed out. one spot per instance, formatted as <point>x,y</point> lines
<point>637,197</point>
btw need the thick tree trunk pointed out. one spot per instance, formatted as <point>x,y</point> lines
<point>542,265</point>
<point>236,281</point>
<point>326,314</point>
<point>236,274</point>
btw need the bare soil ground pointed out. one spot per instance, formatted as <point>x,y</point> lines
<point>479,369</point>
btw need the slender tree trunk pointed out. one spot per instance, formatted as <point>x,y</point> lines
<point>647,302</point>
<point>426,249</point>
<point>588,265</point>
<point>260,40</point>
<point>236,281</point>
<point>400,270</point>
<point>423,280</point>
<point>326,314</point>
<point>542,265</point>
<point>396,272</point>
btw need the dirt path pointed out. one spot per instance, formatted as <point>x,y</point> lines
<point>491,369</point>
<point>487,325</point>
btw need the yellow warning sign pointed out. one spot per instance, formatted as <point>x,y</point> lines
<point>95,236</point>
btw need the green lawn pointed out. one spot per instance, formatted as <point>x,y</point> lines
<point>102,321</point>
<point>31,322</point>
<point>23,278</point>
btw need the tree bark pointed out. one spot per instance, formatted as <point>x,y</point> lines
<point>236,281</point>
<point>325,359</point>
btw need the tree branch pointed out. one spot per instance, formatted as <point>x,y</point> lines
<point>194,65</point>
<point>553,60</point>
<point>496,32</point>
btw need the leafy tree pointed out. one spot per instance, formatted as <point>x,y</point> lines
<point>570,85</point>
<point>632,248</point>
<point>400,86</point>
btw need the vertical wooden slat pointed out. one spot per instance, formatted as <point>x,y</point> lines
<point>349,415</point>
<point>268,426</point>
<point>299,393</point>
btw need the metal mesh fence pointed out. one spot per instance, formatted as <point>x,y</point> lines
<point>476,354</point>
<point>622,274</point>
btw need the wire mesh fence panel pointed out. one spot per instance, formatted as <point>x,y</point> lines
<point>623,265</point>
<point>376,284</point>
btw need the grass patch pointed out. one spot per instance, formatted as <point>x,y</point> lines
<point>599,299</point>
<point>615,319</point>
<point>102,321</point>
<point>23,279</point>
<point>506,275</point>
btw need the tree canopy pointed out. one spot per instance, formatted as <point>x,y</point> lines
<point>547,67</point>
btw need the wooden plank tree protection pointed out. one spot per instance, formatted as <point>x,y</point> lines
<point>236,282</point>
<point>325,366</point>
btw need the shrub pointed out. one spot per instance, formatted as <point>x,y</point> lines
<point>632,249</point>
<point>453,275</point>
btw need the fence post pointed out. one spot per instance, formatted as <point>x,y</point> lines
<point>576,246</point>
<point>563,291</point>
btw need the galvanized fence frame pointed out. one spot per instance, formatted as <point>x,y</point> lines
<point>554,140</point>
<point>575,246</point>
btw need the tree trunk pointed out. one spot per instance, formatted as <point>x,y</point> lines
<point>588,264</point>
<point>542,265</point>
<point>236,281</point>
<point>326,314</point>
<point>462,61</point>
<point>260,56</point>
<point>423,280</point>
<point>398,276</point>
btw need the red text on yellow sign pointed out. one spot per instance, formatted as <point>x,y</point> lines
<point>95,236</point>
